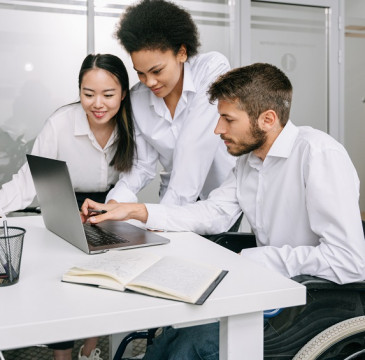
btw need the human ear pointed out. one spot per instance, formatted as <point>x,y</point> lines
<point>182,54</point>
<point>268,119</point>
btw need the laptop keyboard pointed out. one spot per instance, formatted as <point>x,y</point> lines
<point>97,236</point>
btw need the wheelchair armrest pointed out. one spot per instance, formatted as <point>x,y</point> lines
<point>316,283</point>
<point>234,241</point>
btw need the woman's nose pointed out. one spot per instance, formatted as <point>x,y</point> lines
<point>150,81</point>
<point>98,103</point>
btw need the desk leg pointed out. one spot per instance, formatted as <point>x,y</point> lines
<point>241,337</point>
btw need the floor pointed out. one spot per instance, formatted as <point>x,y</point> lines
<point>43,353</point>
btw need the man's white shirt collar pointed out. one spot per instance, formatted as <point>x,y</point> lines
<point>284,143</point>
<point>281,147</point>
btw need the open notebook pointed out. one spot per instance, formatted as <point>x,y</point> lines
<point>61,214</point>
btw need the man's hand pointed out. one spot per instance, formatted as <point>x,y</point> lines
<point>98,212</point>
<point>112,201</point>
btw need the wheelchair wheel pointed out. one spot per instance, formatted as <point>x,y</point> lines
<point>344,340</point>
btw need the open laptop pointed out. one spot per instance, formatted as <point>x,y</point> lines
<point>61,214</point>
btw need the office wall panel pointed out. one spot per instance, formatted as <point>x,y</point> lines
<point>355,88</point>
<point>295,39</point>
<point>42,46</point>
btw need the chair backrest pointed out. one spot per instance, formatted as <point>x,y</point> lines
<point>235,241</point>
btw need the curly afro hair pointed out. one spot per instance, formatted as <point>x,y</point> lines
<point>157,24</point>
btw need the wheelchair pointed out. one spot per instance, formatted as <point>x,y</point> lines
<point>330,326</point>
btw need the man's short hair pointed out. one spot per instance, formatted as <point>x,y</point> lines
<point>255,88</point>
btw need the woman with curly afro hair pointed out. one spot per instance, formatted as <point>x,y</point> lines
<point>173,117</point>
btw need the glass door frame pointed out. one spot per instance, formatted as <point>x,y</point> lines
<point>241,38</point>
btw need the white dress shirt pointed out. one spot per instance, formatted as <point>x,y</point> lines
<point>301,202</point>
<point>65,136</point>
<point>194,159</point>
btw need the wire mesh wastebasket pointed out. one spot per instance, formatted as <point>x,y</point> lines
<point>11,247</point>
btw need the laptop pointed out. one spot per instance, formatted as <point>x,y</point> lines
<point>61,214</point>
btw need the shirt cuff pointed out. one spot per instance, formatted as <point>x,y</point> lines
<point>260,255</point>
<point>121,195</point>
<point>156,217</point>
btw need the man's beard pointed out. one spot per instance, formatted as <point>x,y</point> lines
<point>258,139</point>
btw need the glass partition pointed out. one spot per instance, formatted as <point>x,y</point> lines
<point>42,46</point>
<point>295,39</point>
<point>355,88</point>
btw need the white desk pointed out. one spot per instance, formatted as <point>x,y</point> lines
<point>40,309</point>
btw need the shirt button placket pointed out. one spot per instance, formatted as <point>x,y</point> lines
<point>259,220</point>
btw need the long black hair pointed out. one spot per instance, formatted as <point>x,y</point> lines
<point>126,147</point>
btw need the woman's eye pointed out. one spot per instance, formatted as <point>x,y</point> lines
<point>109,95</point>
<point>157,71</point>
<point>88,95</point>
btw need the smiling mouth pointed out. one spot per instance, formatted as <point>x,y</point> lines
<point>99,114</point>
